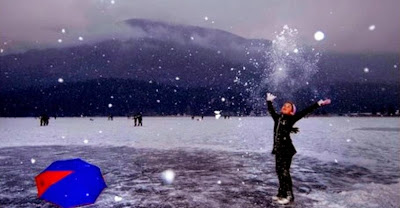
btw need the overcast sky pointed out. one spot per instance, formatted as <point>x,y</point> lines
<point>38,23</point>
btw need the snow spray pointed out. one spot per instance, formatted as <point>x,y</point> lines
<point>288,66</point>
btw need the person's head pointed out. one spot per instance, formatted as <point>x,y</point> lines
<point>288,108</point>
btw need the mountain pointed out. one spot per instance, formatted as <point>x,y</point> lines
<point>192,59</point>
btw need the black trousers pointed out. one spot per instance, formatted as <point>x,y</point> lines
<point>282,166</point>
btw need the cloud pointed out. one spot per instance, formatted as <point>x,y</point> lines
<point>25,24</point>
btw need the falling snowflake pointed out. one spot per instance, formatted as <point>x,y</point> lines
<point>100,131</point>
<point>371,27</point>
<point>395,66</point>
<point>177,78</point>
<point>85,141</point>
<point>112,2</point>
<point>80,38</point>
<point>33,161</point>
<point>1,50</point>
<point>192,38</point>
<point>110,105</point>
<point>168,176</point>
<point>348,140</point>
<point>223,99</point>
<point>62,137</point>
<point>295,50</point>
<point>63,31</point>
<point>219,182</point>
<point>366,70</point>
<point>158,101</point>
<point>117,198</point>
<point>336,161</point>
<point>206,18</point>
<point>318,36</point>
<point>60,40</point>
<point>60,80</point>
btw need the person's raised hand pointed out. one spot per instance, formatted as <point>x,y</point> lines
<point>324,102</point>
<point>270,97</point>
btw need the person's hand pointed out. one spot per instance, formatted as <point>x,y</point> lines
<point>324,102</point>
<point>270,97</point>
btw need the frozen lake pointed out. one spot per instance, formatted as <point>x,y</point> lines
<point>341,162</point>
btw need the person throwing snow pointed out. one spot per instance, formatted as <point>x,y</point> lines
<point>283,148</point>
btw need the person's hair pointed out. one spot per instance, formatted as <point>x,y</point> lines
<point>293,106</point>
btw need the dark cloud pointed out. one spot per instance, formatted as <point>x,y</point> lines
<point>27,24</point>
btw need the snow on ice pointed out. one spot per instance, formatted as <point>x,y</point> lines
<point>359,180</point>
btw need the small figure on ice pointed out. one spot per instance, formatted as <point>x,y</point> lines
<point>44,120</point>
<point>283,148</point>
<point>140,119</point>
<point>135,119</point>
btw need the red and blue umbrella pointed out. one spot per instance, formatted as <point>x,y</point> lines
<point>70,183</point>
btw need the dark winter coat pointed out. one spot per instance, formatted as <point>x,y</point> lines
<point>283,125</point>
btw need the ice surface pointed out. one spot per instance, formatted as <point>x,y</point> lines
<point>225,162</point>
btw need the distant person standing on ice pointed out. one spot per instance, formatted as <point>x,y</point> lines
<point>135,119</point>
<point>44,120</point>
<point>140,119</point>
<point>283,148</point>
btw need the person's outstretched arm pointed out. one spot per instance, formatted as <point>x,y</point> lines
<point>271,109</point>
<point>310,109</point>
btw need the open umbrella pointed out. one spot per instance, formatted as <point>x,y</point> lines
<point>70,183</point>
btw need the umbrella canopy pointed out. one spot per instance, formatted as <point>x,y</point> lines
<point>70,183</point>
